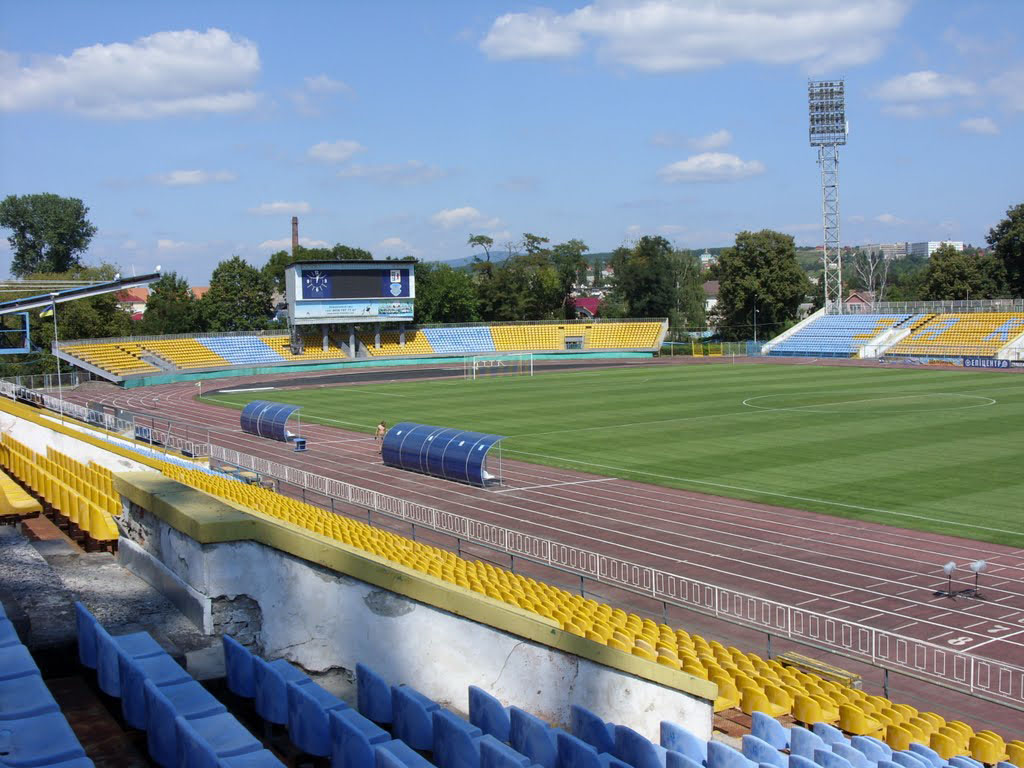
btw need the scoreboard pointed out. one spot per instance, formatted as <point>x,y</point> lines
<point>350,291</point>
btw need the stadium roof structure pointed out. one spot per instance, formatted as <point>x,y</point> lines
<point>445,452</point>
<point>71,294</point>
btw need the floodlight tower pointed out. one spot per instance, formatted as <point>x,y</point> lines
<point>826,101</point>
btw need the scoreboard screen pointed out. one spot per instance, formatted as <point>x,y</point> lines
<point>350,292</point>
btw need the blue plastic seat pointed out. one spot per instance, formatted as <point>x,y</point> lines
<point>827,759</point>
<point>272,678</point>
<point>238,669</point>
<point>15,662</point>
<point>455,741</point>
<point>963,761</point>
<point>308,724</point>
<point>675,737</point>
<point>204,740</point>
<point>534,738</point>
<point>723,756</point>
<point>373,695</point>
<point>637,750</point>
<point>796,761</point>
<point>592,729</point>
<point>679,760</point>
<point>928,754</point>
<point>488,714</point>
<point>829,734</point>
<point>412,717</point>
<point>768,729</point>
<point>873,749</point>
<point>164,704</point>
<point>496,754</point>
<point>8,634</point>
<point>397,754</point>
<point>109,649</point>
<point>27,696</point>
<point>852,755</point>
<point>262,759</point>
<point>803,742</point>
<point>40,740</point>
<point>760,751</point>
<point>161,670</point>
<point>909,760</point>
<point>353,738</point>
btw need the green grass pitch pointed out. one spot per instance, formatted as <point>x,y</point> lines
<point>925,449</point>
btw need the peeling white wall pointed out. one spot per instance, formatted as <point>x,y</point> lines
<point>38,437</point>
<point>319,620</point>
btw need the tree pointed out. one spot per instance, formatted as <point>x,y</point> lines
<point>239,297</point>
<point>279,261</point>
<point>274,269</point>
<point>1007,241</point>
<point>49,232</point>
<point>572,269</point>
<point>953,275</point>
<point>645,277</point>
<point>688,309</point>
<point>481,241</point>
<point>873,270</point>
<point>171,308</point>
<point>760,273</point>
<point>444,295</point>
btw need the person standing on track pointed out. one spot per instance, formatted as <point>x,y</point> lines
<point>382,429</point>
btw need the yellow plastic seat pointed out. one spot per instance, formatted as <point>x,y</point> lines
<point>1015,753</point>
<point>897,737</point>
<point>986,750</point>
<point>753,699</point>
<point>808,710</point>
<point>943,745</point>
<point>853,720</point>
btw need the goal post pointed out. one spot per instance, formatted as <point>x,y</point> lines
<point>485,366</point>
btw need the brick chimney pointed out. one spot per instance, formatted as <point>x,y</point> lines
<point>295,235</point>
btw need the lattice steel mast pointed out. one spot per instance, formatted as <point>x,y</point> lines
<point>826,101</point>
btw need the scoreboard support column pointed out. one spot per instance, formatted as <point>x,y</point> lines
<point>352,341</point>
<point>323,333</point>
<point>376,335</point>
<point>401,334</point>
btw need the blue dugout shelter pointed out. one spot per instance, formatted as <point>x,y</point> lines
<point>452,454</point>
<point>268,419</point>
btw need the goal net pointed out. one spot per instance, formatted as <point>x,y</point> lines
<point>484,366</point>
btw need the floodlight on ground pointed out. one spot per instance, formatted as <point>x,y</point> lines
<point>827,129</point>
<point>947,569</point>
<point>977,566</point>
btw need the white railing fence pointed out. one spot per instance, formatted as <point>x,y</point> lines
<point>949,666</point>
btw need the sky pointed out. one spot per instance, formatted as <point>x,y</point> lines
<point>194,131</point>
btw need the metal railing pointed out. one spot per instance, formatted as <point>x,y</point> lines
<point>994,680</point>
<point>50,380</point>
<point>938,307</point>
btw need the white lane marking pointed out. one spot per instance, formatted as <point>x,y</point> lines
<point>556,485</point>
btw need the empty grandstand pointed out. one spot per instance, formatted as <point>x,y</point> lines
<point>137,358</point>
<point>959,335</point>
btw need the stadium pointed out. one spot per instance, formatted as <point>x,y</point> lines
<point>730,556</point>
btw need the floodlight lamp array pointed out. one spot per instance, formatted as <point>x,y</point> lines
<point>826,101</point>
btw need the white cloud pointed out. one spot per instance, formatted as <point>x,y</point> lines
<point>888,218</point>
<point>711,166</point>
<point>335,151</point>
<point>325,84</point>
<point>690,35</point>
<point>394,246</point>
<point>285,243</point>
<point>281,208</point>
<point>983,125</point>
<point>174,245</point>
<point>925,85</point>
<point>193,178</point>
<point>164,74</point>
<point>717,140</point>
<point>1009,86</point>
<point>463,217</point>
<point>538,35</point>
<point>407,173</point>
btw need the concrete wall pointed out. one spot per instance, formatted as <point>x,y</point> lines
<point>320,619</point>
<point>38,436</point>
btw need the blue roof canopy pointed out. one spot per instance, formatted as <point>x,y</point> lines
<point>268,419</point>
<point>452,454</point>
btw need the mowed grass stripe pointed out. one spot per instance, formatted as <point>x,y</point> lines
<point>921,449</point>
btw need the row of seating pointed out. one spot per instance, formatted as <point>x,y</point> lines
<point>126,358</point>
<point>15,504</point>
<point>744,680</point>
<point>959,334</point>
<point>32,729</point>
<point>836,335</point>
<point>80,497</point>
<point>186,726</point>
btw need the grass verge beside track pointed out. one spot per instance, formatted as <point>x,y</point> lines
<point>922,449</point>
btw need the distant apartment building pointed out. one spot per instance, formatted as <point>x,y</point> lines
<point>927,249</point>
<point>887,250</point>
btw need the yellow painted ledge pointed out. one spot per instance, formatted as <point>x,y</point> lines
<point>210,520</point>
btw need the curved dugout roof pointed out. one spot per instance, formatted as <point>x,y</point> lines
<point>268,419</point>
<point>452,454</point>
